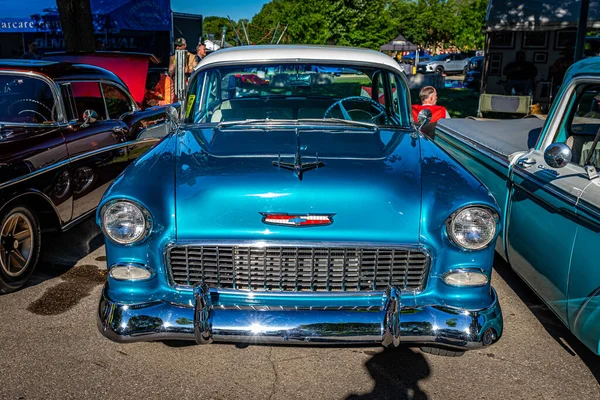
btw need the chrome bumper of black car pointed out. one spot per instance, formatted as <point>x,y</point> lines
<point>389,325</point>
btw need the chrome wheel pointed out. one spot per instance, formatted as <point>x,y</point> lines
<point>16,244</point>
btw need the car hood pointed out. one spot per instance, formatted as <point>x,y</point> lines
<point>368,182</point>
<point>425,63</point>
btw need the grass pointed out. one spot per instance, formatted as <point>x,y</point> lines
<point>460,103</point>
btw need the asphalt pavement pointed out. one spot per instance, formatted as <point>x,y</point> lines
<point>50,348</point>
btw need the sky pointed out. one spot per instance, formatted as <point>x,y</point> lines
<point>236,9</point>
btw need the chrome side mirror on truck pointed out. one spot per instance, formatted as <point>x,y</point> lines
<point>557,155</point>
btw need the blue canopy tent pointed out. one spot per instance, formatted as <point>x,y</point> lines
<point>108,15</point>
<point>120,25</point>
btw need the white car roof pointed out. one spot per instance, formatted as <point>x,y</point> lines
<point>275,53</point>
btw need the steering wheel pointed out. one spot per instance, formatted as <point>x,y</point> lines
<point>9,108</point>
<point>346,113</point>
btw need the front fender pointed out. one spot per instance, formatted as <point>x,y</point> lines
<point>149,181</point>
<point>446,188</point>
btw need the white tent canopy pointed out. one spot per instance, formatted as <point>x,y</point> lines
<point>538,15</point>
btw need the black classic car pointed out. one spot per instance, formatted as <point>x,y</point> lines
<point>66,131</point>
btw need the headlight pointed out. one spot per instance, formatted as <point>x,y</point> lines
<point>472,228</point>
<point>125,222</point>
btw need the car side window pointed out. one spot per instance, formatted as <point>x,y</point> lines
<point>117,102</point>
<point>87,96</point>
<point>582,124</point>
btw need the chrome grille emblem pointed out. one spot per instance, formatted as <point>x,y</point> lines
<point>297,219</point>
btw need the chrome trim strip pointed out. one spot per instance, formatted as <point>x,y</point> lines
<point>263,243</point>
<point>35,173</point>
<point>389,325</point>
<point>75,158</point>
<point>74,222</point>
<point>589,208</point>
<point>542,185</point>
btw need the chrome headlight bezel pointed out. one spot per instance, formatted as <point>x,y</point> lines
<point>494,217</point>
<point>147,228</point>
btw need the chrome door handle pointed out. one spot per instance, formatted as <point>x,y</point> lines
<point>526,162</point>
<point>118,129</point>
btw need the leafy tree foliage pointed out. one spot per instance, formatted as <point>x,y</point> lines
<point>364,23</point>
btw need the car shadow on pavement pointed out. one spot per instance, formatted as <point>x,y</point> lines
<point>396,374</point>
<point>549,321</point>
<point>61,251</point>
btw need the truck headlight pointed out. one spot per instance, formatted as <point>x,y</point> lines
<point>125,222</point>
<point>472,228</point>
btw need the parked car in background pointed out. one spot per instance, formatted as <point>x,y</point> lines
<point>475,70</point>
<point>66,131</point>
<point>545,178</point>
<point>456,63</point>
<point>300,210</point>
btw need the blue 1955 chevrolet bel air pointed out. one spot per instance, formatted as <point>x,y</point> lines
<point>293,205</point>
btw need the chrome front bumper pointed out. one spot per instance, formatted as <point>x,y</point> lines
<point>389,324</point>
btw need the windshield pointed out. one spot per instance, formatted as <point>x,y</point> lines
<point>305,93</point>
<point>440,57</point>
<point>25,100</point>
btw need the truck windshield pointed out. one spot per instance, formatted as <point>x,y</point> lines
<point>297,92</point>
<point>25,100</point>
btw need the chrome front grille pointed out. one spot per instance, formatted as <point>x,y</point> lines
<point>298,268</point>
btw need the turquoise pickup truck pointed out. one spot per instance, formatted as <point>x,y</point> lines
<point>544,176</point>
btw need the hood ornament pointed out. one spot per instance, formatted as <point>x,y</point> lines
<point>297,220</point>
<point>297,166</point>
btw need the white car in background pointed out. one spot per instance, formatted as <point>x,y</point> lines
<point>445,63</point>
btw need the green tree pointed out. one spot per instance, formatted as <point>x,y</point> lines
<point>214,26</point>
<point>363,23</point>
<point>470,24</point>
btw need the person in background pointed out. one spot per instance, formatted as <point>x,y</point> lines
<point>200,54</point>
<point>520,75</point>
<point>428,96</point>
<point>560,66</point>
<point>31,53</point>
<point>180,44</point>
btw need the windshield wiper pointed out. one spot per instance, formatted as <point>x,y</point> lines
<point>342,121</point>
<point>269,121</point>
<point>224,124</point>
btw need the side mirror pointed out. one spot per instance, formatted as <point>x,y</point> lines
<point>89,117</point>
<point>557,155</point>
<point>172,117</point>
<point>423,117</point>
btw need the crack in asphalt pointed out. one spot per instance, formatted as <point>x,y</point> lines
<point>274,388</point>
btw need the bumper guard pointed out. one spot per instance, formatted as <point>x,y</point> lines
<point>389,325</point>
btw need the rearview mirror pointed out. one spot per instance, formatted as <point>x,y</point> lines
<point>89,117</point>
<point>557,155</point>
<point>423,117</point>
